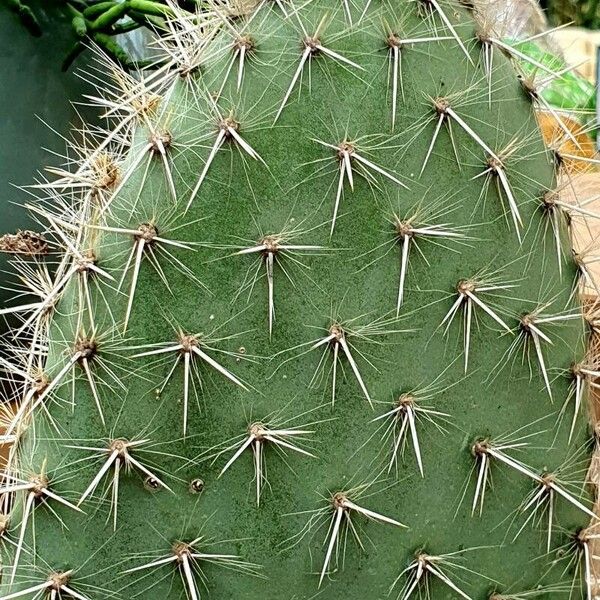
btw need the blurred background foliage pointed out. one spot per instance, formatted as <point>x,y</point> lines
<point>583,13</point>
<point>101,22</point>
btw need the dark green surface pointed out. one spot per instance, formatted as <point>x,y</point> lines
<point>583,13</point>
<point>339,101</point>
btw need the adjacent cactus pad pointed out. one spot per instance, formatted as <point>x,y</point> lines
<point>309,325</point>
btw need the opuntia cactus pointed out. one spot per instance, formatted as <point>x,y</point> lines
<point>313,329</point>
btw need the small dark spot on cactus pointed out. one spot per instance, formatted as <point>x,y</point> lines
<point>152,484</point>
<point>196,486</point>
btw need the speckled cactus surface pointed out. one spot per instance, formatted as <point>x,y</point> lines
<point>308,325</point>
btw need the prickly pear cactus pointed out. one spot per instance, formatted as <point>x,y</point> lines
<point>311,327</point>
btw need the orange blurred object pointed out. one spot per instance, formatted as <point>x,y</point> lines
<point>555,138</point>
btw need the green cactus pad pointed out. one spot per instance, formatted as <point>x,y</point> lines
<point>253,394</point>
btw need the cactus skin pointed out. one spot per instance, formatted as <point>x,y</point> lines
<point>239,199</point>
